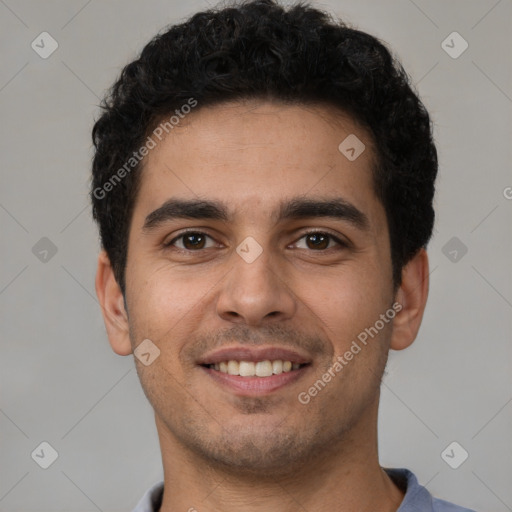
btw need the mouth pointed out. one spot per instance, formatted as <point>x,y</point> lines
<point>250,372</point>
<point>259,369</point>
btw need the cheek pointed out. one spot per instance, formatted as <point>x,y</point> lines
<point>352,311</point>
<point>163,302</point>
<point>351,317</point>
<point>349,300</point>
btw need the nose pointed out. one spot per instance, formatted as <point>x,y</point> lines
<point>257,292</point>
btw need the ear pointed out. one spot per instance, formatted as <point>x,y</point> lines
<point>412,296</point>
<point>112,306</point>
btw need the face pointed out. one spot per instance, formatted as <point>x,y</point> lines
<point>254,239</point>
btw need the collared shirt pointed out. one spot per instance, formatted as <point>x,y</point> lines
<point>416,499</point>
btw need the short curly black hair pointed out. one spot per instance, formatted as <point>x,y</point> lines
<point>261,50</point>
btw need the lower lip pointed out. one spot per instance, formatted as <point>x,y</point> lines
<point>250,386</point>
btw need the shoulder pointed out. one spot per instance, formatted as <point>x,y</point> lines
<point>152,499</point>
<point>444,506</point>
<point>417,498</point>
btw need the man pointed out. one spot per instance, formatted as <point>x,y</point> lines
<point>263,184</point>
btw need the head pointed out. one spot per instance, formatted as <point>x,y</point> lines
<point>256,125</point>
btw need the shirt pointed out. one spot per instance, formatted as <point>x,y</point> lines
<point>416,499</point>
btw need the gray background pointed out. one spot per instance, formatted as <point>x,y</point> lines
<point>61,383</point>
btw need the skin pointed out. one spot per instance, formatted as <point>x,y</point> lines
<point>225,452</point>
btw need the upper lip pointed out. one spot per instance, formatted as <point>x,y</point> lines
<point>253,354</point>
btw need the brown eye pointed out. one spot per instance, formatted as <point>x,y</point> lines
<point>190,241</point>
<point>320,241</point>
<point>193,241</point>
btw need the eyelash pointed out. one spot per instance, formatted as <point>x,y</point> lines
<point>169,245</point>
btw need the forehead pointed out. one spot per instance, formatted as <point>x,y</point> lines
<point>252,155</point>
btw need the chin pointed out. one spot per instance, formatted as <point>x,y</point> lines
<point>248,450</point>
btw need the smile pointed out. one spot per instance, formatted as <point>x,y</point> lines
<point>255,369</point>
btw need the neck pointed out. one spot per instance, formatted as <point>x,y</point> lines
<point>344,477</point>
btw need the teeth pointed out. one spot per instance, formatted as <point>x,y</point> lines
<point>263,368</point>
<point>250,369</point>
<point>247,369</point>
<point>233,368</point>
<point>277,367</point>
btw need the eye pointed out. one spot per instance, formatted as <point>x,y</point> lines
<point>190,241</point>
<point>197,240</point>
<point>319,241</point>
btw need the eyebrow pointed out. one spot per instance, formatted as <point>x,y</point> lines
<point>295,208</point>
